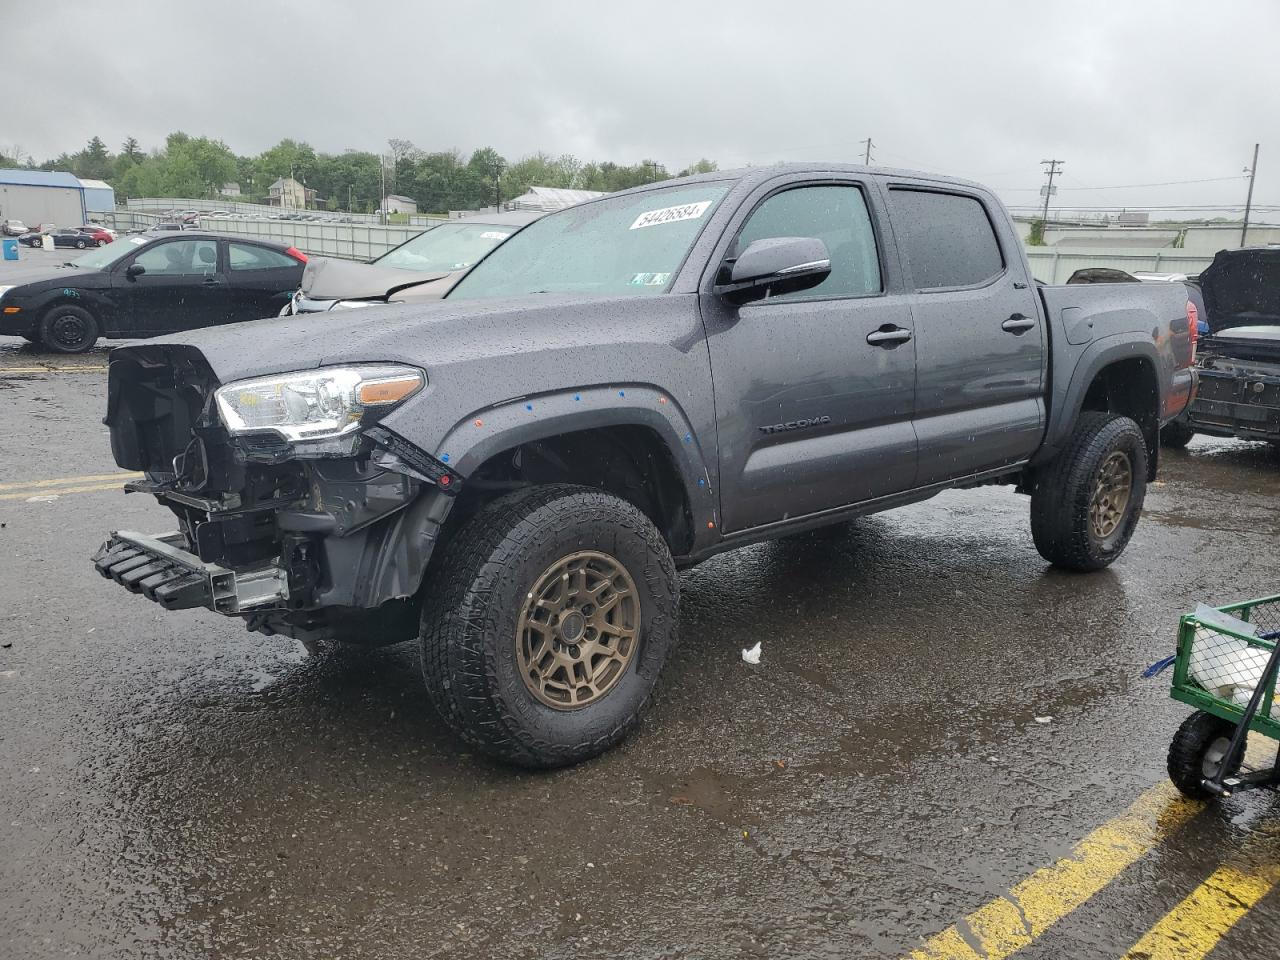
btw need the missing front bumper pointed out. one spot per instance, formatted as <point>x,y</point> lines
<point>162,569</point>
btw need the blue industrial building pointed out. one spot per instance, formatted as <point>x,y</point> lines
<point>37,197</point>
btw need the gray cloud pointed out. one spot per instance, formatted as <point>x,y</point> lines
<point>1126,93</point>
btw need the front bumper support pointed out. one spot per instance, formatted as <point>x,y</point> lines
<point>162,569</point>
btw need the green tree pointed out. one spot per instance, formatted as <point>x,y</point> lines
<point>93,162</point>
<point>131,150</point>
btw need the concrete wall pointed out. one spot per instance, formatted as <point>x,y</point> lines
<point>1055,265</point>
<point>62,206</point>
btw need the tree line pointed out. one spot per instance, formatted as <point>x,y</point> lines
<point>442,180</point>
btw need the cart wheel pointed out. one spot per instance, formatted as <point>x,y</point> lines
<point>1197,751</point>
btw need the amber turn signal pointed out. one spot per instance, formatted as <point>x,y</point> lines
<point>374,393</point>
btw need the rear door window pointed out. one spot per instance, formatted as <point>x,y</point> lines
<point>250,256</point>
<point>835,214</point>
<point>947,238</point>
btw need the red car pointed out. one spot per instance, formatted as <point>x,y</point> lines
<point>100,237</point>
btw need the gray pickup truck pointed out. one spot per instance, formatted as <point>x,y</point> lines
<point>513,475</point>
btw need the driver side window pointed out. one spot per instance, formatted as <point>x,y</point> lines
<point>836,215</point>
<point>176,257</point>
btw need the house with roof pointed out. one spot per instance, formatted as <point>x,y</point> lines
<point>288,192</point>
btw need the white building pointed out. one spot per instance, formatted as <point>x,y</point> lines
<point>399,204</point>
<point>548,199</point>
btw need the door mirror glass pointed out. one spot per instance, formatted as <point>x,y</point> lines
<point>774,266</point>
<point>135,270</point>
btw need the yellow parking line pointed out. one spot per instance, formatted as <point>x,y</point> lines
<point>1009,923</point>
<point>61,481</point>
<point>15,371</point>
<point>59,491</point>
<point>1194,927</point>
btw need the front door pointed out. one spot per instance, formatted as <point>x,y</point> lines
<point>980,343</point>
<point>181,287</point>
<point>814,390</point>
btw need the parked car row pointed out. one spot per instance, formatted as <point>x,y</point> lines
<point>78,237</point>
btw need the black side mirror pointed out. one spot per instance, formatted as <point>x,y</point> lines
<point>774,266</point>
<point>135,270</point>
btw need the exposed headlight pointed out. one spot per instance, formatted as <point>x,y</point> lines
<point>316,404</point>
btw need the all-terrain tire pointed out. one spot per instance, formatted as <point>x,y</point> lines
<point>474,600</point>
<point>1176,434</point>
<point>1064,491</point>
<point>66,328</point>
<point>1189,762</point>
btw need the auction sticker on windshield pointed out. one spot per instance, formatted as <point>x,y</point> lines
<point>494,235</point>
<point>686,211</point>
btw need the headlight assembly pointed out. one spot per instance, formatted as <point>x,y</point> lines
<point>316,404</point>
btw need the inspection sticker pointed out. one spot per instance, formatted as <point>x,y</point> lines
<point>650,279</point>
<point>138,241</point>
<point>686,211</point>
<point>494,235</point>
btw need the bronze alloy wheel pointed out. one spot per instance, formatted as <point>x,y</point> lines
<point>579,630</point>
<point>1110,495</point>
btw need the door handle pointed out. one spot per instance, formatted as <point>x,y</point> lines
<point>210,281</point>
<point>1017,324</point>
<point>888,336</point>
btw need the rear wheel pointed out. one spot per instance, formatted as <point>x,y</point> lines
<point>548,620</point>
<point>1176,434</point>
<point>67,328</point>
<point>80,244</point>
<point>102,243</point>
<point>1197,752</point>
<point>1086,503</point>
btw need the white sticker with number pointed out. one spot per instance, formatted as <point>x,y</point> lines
<point>686,211</point>
<point>494,235</point>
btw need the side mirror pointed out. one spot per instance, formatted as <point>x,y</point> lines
<point>135,270</point>
<point>774,266</point>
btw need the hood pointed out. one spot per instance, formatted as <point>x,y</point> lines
<point>1242,288</point>
<point>47,272</point>
<point>1261,343</point>
<point>395,333</point>
<point>330,279</point>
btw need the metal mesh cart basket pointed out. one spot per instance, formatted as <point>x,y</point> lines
<point>1226,668</point>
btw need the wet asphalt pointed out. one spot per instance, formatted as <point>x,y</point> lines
<point>172,786</point>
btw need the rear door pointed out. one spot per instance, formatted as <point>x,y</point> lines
<point>980,342</point>
<point>261,279</point>
<point>181,288</point>
<point>812,415</point>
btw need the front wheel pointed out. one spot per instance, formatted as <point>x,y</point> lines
<point>1197,752</point>
<point>1086,503</point>
<point>68,329</point>
<point>548,620</point>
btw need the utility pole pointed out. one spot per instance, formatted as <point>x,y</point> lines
<point>349,186</point>
<point>1055,168</point>
<point>382,164</point>
<point>1248,200</point>
<point>866,156</point>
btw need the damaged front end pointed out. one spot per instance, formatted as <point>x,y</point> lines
<point>295,508</point>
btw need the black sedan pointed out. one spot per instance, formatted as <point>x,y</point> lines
<point>148,285</point>
<point>74,237</point>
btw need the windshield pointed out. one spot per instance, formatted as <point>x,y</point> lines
<point>630,245</point>
<point>450,246</point>
<point>105,256</point>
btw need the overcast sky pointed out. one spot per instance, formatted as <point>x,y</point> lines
<point>1125,92</point>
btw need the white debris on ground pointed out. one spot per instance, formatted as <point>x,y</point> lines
<point>752,655</point>
<point>1044,719</point>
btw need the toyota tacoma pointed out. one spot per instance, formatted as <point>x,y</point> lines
<point>513,475</point>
